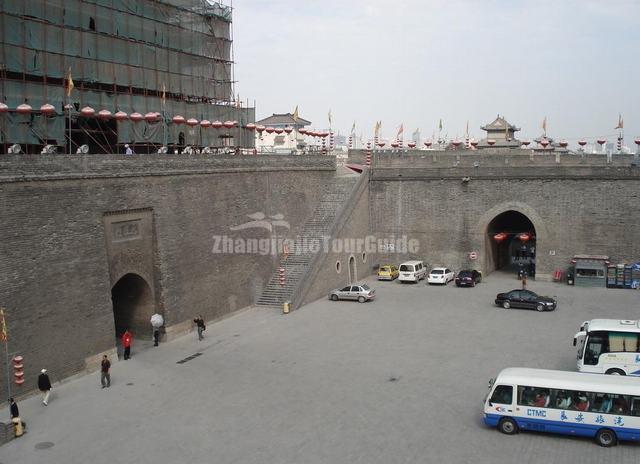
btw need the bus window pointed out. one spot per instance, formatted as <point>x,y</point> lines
<point>635,406</point>
<point>533,396</point>
<point>580,401</point>
<point>623,342</point>
<point>503,394</point>
<point>620,405</point>
<point>562,399</point>
<point>601,403</point>
<point>596,345</point>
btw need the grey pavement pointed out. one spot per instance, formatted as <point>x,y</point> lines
<point>397,380</point>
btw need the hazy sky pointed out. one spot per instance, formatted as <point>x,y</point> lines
<point>416,61</point>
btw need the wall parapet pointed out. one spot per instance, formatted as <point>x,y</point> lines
<point>24,168</point>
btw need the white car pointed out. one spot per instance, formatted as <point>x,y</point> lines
<point>440,275</point>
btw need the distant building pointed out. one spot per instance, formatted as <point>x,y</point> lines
<point>281,133</point>
<point>500,134</point>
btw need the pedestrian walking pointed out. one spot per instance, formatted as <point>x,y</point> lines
<point>127,338</point>
<point>105,376</point>
<point>44,384</point>
<point>199,321</point>
<point>524,281</point>
<point>127,149</point>
<point>156,336</point>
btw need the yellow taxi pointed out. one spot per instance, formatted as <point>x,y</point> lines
<point>388,272</point>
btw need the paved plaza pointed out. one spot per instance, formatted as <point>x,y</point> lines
<point>397,380</point>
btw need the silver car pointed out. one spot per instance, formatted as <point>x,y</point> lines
<point>360,292</point>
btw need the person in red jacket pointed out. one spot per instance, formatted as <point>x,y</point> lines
<point>126,342</point>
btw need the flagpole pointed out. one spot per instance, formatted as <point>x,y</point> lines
<point>5,337</point>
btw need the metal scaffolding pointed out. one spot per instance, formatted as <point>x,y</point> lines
<point>173,57</point>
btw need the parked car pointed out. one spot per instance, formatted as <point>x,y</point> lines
<point>388,272</point>
<point>412,271</point>
<point>468,278</point>
<point>359,292</point>
<point>440,275</point>
<point>525,299</point>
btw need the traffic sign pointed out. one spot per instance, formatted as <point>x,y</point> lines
<point>473,255</point>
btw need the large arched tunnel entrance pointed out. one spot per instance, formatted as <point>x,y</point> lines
<point>132,306</point>
<point>511,243</point>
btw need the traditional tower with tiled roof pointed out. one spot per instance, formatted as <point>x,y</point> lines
<point>500,134</point>
<point>283,120</point>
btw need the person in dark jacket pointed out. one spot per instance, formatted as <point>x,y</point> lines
<point>105,376</point>
<point>44,384</point>
<point>15,413</point>
<point>199,321</point>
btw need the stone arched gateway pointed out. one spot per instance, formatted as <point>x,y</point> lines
<point>511,217</point>
<point>133,305</point>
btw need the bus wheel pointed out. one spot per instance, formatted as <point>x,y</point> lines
<point>606,438</point>
<point>615,372</point>
<point>508,426</point>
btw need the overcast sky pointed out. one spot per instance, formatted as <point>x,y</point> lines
<point>417,61</point>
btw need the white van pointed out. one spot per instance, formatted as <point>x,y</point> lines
<point>412,271</point>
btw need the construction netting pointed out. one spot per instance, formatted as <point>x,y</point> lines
<point>169,56</point>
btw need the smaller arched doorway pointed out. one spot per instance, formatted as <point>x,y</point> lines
<point>132,305</point>
<point>511,238</point>
<point>353,275</point>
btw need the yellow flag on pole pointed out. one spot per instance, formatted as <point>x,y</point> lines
<point>544,125</point>
<point>3,327</point>
<point>70,85</point>
<point>295,114</point>
<point>329,115</point>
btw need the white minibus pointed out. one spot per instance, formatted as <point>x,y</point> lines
<point>569,403</point>
<point>412,271</point>
<point>609,346</point>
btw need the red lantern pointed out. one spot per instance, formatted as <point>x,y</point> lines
<point>152,117</point>
<point>229,124</point>
<point>381,144</point>
<point>428,143</point>
<point>279,130</point>
<point>24,109</point>
<point>456,143</point>
<point>260,129</point>
<point>474,143</point>
<point>526,143</point>
<point>192,122</point>
<point>250,126</point>
<point>491,142</point>
<point>524,237</point>
<point>499,237</point>
<point>47,109</point>
<point>216,124</point>
<point>18,370</point>
<point>544,143</point>
<point>136,117</point>
<point>104,114</point>
<point>87,112</point>
<point>288,129</point>
<point>120,116</point>
<point>601,141</point>
<point>302,130</point>
<point>3,108</point>
<point>205,123</point>
<point>582,143</point>
<point>395,144</point>
<point>269,130</point>
<point>411,145</point>
<point>637,141</point>
<point>563,143</point>
<point>178,119</point>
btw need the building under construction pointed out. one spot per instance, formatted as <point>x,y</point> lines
<point>96,75</point>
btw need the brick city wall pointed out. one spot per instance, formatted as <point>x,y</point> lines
<point>578,206</point>
<point>55,279</point>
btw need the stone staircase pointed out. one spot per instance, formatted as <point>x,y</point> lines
<point>335,194</point>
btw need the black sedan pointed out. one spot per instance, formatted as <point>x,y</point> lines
<point>468,278</point>
<point>525,299</point>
